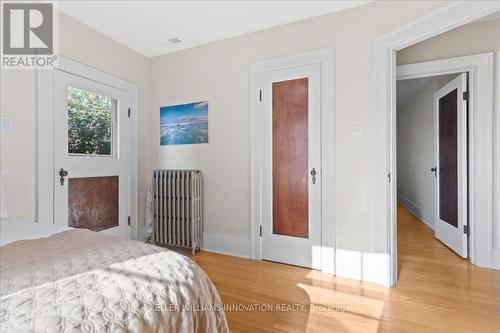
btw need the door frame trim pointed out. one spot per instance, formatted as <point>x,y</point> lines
<point>325,58</point>
<point>45,136</point>
<point>480,73</point>
<point>437,22</point>
<point>496,171</point>
<point>479,68</point>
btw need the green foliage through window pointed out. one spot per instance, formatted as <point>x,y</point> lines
<point>89,123</point>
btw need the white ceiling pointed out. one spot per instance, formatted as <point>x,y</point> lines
<point>146,26</point>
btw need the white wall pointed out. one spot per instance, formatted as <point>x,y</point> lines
<point>472,38</point>
<point>219,72</point>
<point>17,95</point>
<point>17,148</point>
<point>416,150</point>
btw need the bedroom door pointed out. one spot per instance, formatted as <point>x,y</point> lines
<point>291,228</point>
<point>92,176</point>
<point>451,165</point>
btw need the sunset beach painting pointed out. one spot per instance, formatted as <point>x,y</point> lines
<point>184,124</point>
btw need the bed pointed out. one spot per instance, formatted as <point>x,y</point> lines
<point>55,279</point>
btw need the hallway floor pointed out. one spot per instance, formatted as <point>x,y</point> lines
<point>437,291</point>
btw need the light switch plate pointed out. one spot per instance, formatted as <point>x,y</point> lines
<point>6,124</point>
<point>357,128</point>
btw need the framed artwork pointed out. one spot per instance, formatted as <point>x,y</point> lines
<point>184,124</point>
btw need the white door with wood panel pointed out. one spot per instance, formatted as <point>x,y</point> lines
<point>451,218</point>
<point>291,171</point>
<point>92,155</point>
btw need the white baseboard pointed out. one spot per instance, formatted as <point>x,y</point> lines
<point>364,266</point>
<point>226,244</point>
<point>422,214</point>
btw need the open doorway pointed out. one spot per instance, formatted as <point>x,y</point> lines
<point>432,160</point>
<point>466,49</point>
<point>443,135</point>
<point>459,30</point>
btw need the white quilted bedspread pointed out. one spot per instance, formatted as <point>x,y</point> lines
<point>82,281</point>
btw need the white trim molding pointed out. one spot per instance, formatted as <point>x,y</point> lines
<point>231,245</point>
<point>325,58</point>
<point>444,19</point>
<point>496,171</point>
<point>422,214</point>
<point>364,266</point>
<point>45,135</point>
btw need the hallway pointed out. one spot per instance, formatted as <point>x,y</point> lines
<point>432,273</point>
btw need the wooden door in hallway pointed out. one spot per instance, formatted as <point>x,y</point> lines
<point>451,226</point>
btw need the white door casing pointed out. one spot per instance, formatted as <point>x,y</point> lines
<point>283,248</point>
<point>453,237</point>
<point>479,68</point>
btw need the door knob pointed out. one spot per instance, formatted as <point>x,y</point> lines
<point>435,171</point>
<point>313,174</point>
<point>62,173</point>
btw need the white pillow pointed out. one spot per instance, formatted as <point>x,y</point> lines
<point>3,197</point>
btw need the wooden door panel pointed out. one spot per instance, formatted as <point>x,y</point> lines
<point>448,159</point>
<point>290,158</point>
<point>93,202</point>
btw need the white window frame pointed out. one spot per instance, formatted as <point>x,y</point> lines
<point>444,19</point>
<point>45,136</point>
<point>114,131</point>
<point>326,58</point>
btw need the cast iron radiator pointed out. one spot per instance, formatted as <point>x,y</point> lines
<point>177,208</point>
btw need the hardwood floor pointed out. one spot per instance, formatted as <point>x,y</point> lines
<point>437,292</point>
